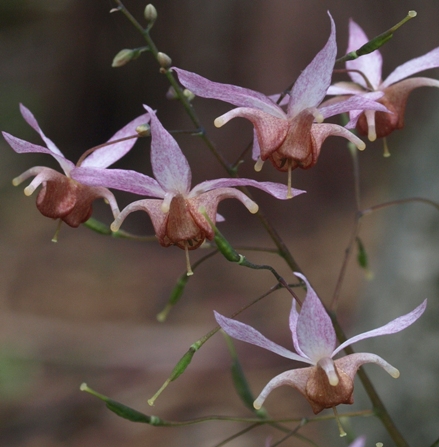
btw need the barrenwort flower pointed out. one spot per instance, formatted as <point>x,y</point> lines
<point>366,74</point>
<point>292,139</point>
<point>61,197</point>
<point>175,213</point>
<point>327,382</point>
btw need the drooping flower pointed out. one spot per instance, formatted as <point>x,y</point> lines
<point>366,74</point>
<point>292,139</point>
<point>61,197</point>
<point>175,211</point>
<point>327,382</point>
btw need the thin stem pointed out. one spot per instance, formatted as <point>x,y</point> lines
<point>291,433</point>
<point>399,202</point>
<point>341,275</point>
<point>237,435</point>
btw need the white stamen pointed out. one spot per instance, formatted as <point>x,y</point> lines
<point>55,236</point>
<point>386,148</point>
<point>259,164</point>
<point>340,428</point>
<point>188,262</point>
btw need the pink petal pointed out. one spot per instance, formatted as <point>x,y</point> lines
<point>238,96</point>
<point>294,315</point>
<point>150,206</point>
<point>124,180</point>
<point>22,147</point>
<point>275,189</point>
<point>209,201</point>
<point>370,64</point>
<point>359,442</point>
<point>315,333</point>
<point>350,363</point>
<point>396,325</point>
<point>312,84</point>
<point>321,131</point>
<point>345,88</point>
<point>107,155</point>
<point>170,166</point>
<point>425,62</point>
<point>296,378</point>
<point>30,119</point>
<point>246,333</point>
<point>270,130</point>
<point>356,102</point>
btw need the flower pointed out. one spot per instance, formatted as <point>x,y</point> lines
<point>61,197</point>
<point>292,139</point>
<point>327,382</point>
<point>175,213</point>
<point>366,76</point>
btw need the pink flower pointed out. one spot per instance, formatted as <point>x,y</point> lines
<point>176,213</point>
<point>61,197</point>
<point>292,139</point>
<point>327,382</point>
<point>395,88</point>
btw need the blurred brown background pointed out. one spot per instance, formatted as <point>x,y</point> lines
<point>84,309</point>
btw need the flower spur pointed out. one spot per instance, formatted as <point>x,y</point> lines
<point>175,209</point>
<point>327,382</point>
<point>61,197</point>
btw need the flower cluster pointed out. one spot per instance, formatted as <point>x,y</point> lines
<point>288,139</point>
<point>289,131</point>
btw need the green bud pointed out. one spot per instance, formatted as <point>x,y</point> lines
<point>182,364</point>
<point>150,14</point>
<point>122,410</point>
<point>176,294</point>
<point>127,413</point>
<point>225,248</point>
<point>123,57</point>
<point>362,255</point>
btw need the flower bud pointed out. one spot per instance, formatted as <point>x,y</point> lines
<point>164,60</point>
<point>171,93</point>
<point>150,14</point>
<point>144,130</point>
<point>123,57</point>
<point>189,95</point>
